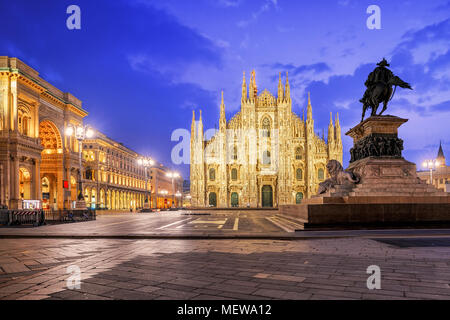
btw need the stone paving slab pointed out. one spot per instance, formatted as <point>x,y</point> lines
<point>228,269</point>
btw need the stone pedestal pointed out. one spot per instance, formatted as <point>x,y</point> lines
<point>388,193</point>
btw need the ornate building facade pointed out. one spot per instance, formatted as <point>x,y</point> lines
<point>114,180</point>
<point>35,156</point>
<point>264,156</point>
<point>39,165</point>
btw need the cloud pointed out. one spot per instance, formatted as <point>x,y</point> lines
<point>266,6</point>
<point>176,53</point>
<point>300,77</point>
<point>229,3</point>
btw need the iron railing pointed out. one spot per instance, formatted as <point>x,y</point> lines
<point>69,215</point>
<point>39,217</point>
<point>21,217</point>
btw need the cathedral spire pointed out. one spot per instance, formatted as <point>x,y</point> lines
<point>287,91</point>
<point>193,125</point>
<point>440,156</point>
<point>331,132</point>
<point>222,120</point>
<point>280,89</point>
<point>200,127</point>
<point>244,89</point>
<point>338,130</point>
<point>309,108</point>
<point>250,87</point>
<point>254,90</point>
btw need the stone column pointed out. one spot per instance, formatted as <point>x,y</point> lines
<point>37,180</point>
<point>15,202</point>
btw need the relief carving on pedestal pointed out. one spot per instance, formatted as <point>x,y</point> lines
<point>376,145</point>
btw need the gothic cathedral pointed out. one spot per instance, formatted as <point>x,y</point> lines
<point>264,156</point>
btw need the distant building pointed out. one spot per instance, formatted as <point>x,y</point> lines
<point>186,186</point>
<point>441,174</point>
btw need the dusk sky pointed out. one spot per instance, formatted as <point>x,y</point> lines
<point>141,66</point>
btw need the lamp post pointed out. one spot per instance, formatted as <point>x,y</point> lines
<point>146,163</point>
<point>431,164</point>
<point>180,200</point>
<point>172,175</point>
<point>189,197</point>
<point>80,133</point>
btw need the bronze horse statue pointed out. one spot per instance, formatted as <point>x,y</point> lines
<point>382,93</point>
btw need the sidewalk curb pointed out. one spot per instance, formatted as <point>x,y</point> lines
<point>217,237</point>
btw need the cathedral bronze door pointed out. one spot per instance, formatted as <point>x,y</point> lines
<point>212,199</point>
<point>298,198</point>
<point>267,196</point>
<point>234,199</point>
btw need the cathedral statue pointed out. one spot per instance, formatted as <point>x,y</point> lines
<point>379,88</point>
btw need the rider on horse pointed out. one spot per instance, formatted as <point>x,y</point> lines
<point>381,74</point>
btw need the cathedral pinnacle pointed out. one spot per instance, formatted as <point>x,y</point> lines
<point>309,108</point>
<point>331,133</point>
<point>280,88</point>
<point>244,89</point>
<point>193,124</point>
<point>222,112</point>
<point>254,90</point>
<point>288,89</point>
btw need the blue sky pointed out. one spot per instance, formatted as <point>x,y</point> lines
<point>141,66</point>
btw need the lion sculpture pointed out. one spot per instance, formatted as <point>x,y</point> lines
<point>337,177</point>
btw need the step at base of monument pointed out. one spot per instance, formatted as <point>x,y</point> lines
<point>362,212</point>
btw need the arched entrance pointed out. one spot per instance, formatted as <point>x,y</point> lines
<point>24,184</point>
<point>51,163</point>
<point>212,199</point>
<point>298,197</point>
<point>94,198</point>
<point>234,199</point>
<point>267,196</point>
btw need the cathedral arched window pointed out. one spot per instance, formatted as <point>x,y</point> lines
<point>266,127</point>
<point>212,174</point>
<point>266,157</point>
<point>298,153</point>
<point>320,174</point>
<point>299,174</point>
<point>234,174</point>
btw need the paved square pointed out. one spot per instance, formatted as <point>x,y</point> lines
<point>326,265</point>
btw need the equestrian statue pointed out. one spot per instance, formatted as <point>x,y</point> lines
<point>379,88</point>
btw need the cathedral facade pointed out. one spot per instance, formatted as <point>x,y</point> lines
<point>264,156</point>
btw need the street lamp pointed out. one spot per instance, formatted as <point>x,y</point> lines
<point>80,133</point>
<point>431,164</point>
<point>173,175</point>
<point>146,163</point>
